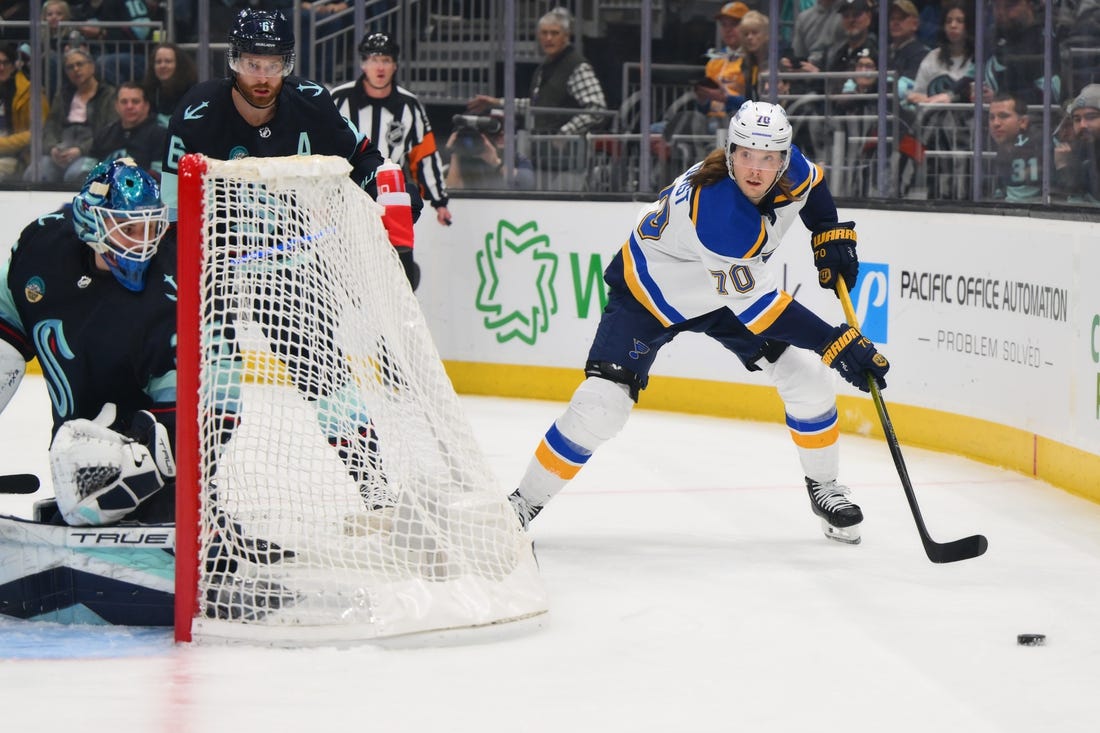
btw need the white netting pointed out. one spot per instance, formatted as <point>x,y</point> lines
<point>329,428</point>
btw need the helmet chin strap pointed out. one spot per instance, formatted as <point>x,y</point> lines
<point>249,101</point>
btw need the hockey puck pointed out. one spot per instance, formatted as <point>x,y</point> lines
<point>1031,639</point>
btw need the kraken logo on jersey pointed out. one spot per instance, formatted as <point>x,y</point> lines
<point>52,346</point>
<point>34,290</point>
<point>195,112</point>
<point>172,296</point>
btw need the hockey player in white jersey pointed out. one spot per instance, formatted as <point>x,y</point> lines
<point>697,260</point>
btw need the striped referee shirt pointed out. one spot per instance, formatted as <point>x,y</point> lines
<point>399,126</point>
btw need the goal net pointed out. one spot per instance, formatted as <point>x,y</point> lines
<point>330,488</point>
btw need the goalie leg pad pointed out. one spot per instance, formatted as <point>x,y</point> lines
<point>101,476</point>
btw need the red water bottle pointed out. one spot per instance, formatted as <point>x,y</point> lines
<point>390,180</point>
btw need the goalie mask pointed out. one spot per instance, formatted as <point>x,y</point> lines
<point>763,127</point>
<point>119,214</point>
<point>261,33</point>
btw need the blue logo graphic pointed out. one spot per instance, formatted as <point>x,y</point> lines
<point>872,302</point>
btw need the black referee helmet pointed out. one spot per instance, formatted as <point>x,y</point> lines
<point>378,44</point>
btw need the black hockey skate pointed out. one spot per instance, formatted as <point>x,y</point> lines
<point>232,545</point>
<point>525,510</point>
<point>364,462</point>
<point>840,518</point>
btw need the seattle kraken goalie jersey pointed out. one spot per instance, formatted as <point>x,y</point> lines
<point>96,341</point>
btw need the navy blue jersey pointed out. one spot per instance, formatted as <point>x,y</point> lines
<point>306,122</point>
<point>96,341</point>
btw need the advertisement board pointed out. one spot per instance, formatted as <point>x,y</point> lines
<point>991,323</point>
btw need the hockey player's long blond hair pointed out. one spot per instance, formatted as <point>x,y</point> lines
<point>714,169</point>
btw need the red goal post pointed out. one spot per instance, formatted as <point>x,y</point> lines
<point>329,486</point>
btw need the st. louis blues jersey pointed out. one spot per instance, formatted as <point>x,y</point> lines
<point>698,249</point>
<point>306,122</point>
<point>96,341</point>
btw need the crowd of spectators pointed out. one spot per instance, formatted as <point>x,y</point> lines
<point>102,63</point>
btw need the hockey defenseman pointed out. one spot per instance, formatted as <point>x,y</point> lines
<point>394,118</point>
<point>90,290</point>
<point>261,110</point>
<point>697,260</point>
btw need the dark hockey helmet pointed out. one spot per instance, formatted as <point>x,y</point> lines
<point>120,215</point>
<point>378,44</point>
<point>263,33</point>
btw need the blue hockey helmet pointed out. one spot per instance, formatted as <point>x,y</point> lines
<point>262,33</point>
<point>119,214</point>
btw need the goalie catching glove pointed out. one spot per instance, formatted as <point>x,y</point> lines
<point>100,475</point>
<point>834,247</point>
<point>854,356</point>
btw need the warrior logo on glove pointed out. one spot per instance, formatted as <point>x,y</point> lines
<point>854,356</point>
<point>834,247</point>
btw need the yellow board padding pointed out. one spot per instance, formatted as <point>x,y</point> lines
<point>1072,469</point>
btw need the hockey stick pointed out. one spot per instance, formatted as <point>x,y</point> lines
<point>938,552</point>
<point>18,483</point>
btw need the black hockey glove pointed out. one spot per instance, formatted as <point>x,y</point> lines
<point>854,356</point>
<point>834,247</point>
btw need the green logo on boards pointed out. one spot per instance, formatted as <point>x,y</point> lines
<point>516,289</point>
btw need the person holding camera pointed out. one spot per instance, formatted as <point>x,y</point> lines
<point>477,156</point>
<point>394,119</point>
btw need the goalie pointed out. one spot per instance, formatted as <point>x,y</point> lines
<point>90,291</point>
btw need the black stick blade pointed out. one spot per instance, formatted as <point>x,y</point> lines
<point>964,549</point>
<point>19,483</point>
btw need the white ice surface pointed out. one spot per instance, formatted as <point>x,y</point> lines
<point>690,590</point>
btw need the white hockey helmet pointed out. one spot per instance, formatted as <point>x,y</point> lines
<point>761,126</point>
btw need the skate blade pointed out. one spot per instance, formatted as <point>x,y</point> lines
<point>847,535</point>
